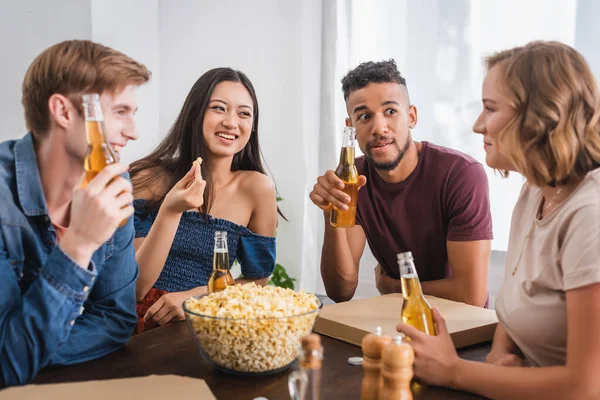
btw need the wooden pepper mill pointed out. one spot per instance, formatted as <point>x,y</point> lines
<point>372,345</point>
<point>397,360</point>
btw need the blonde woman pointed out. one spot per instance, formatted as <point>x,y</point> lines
<point>540,119</point>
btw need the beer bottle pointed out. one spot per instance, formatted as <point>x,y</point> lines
<point>415,309</point>
<point>305,383</point>
<point>99,152</point>
<point>220,277</point>
<point>347,172</point>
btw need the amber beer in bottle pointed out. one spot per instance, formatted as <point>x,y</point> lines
<point>99,152</point>
<point>346,171</point>
<point>220,277</point>
<point>416,311</point>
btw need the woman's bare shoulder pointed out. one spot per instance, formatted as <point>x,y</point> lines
<point>257,184</point>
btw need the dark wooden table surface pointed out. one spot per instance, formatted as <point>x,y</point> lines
<point>171,350</point>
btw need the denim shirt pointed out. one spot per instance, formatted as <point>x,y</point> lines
<point>52,311</point>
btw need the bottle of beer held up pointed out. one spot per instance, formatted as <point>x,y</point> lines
<point>220,277</point>
<point>99,152</point>
<point>346,171</point>
<point>416,311</point>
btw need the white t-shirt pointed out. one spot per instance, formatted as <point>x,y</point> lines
<point>559,253</point>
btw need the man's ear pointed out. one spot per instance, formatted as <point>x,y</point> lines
<point>412,116</point>
<point>62,111</point>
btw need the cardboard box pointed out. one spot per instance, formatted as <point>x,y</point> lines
<point>350,321</point>
<point>147,387</point>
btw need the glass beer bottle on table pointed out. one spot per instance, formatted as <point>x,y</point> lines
<point>220,277</point>
<point>416,311</point>
<point>346,171</point>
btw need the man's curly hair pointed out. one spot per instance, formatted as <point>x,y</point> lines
<point>367,72</point>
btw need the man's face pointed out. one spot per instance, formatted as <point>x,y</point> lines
<point>119,117</point>
<point>382,117</point>
<point>118,110</point>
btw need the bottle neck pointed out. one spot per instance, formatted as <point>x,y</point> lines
<point>349,139</point>
<point>221,254</point>
<point>92,110</point>
<point>348,144</point>
<point>411,286</point>
<point>407,267</point>
<point>221,245</point>
<point>94,131</point>
<point>347,156</point>
<point>94,122</point>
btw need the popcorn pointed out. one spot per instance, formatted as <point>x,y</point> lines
<point>254,328</point>
<point>197,162</point>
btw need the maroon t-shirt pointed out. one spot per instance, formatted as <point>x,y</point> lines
<point>446,198</point>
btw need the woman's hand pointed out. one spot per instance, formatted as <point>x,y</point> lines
<point>187,194</point>
<point>435,356</point>
<point>169,307</point>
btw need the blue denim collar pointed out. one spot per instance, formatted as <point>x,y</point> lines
<point>29,183</point>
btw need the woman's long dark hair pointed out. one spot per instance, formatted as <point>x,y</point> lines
<point>185,142</point>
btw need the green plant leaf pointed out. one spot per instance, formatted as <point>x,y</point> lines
<point>281,278</point>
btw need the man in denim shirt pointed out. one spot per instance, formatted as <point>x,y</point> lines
<point>67,273</point>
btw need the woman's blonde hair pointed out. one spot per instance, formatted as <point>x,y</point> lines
<point>554,136</point>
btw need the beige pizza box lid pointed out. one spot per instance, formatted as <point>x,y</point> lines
<point>147,387</point>
<point>350,321</point>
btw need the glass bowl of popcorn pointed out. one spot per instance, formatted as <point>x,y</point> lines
<point>249,329</point>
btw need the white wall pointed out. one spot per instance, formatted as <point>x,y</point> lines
<point>586,33</point>
<point>27,27</point>
<point>133,30</point>
<point>277,44</point>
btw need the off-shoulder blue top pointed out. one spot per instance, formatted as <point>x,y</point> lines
<point>189,262</point>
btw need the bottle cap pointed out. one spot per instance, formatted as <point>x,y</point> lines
<point>355,360</point>
<point>404,255</point>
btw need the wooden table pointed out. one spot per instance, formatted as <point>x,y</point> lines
<point>171,350</point>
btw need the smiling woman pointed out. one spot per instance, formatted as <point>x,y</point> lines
<point>178,209</point>
<point>541,119</point>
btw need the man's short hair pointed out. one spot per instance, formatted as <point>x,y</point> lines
<point>73,68</point>
<point>371,72</point>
